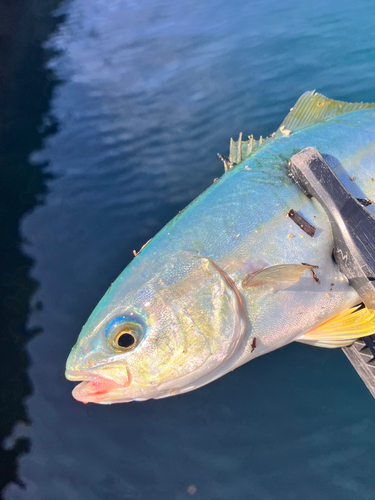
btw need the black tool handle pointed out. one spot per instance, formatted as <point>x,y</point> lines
<point>353,226</point>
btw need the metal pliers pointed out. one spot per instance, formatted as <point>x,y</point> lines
<point>353,229</point>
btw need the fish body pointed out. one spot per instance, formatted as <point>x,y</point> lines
<point>182,313</point>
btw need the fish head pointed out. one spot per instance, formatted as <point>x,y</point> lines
<point>154,336</point>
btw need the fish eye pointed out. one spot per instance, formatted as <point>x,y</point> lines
<point>125,340</point>
<point>125,333</point>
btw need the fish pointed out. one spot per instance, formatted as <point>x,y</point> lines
<point>226,280</point>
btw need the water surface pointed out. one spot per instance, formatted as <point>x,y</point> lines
<point>143,95</point>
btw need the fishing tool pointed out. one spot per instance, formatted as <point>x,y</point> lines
<point>353,230</point>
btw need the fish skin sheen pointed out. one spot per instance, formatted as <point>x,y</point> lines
<point>179,317</point>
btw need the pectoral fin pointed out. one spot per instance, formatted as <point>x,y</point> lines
<point>343,329</point>
<point>278,277</point>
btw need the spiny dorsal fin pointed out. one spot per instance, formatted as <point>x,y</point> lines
<point>311,108</point>
<point>343,329</point>
<point>239,150</point>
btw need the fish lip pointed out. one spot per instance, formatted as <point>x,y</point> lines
<point>74,376</point>
<point>96,388</point>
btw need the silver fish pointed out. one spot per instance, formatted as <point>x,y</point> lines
<point>224,281</point>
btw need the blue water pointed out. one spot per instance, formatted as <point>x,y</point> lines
<point>137,98</point>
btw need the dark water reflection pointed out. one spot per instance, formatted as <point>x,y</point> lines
<point>26,87</point>
<point>151,91</point>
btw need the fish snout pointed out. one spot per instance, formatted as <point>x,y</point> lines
<point>100,377</point>
<point>85,362</point>
<point>82,357</point>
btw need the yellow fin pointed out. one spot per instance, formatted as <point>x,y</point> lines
<point>343,329</point>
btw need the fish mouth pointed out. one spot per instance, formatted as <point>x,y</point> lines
<point>95,388</point>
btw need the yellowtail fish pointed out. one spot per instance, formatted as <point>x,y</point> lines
<point>233,277</point>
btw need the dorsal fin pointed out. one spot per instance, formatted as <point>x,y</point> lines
<point>311,108</point>
<point>239,150</point>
